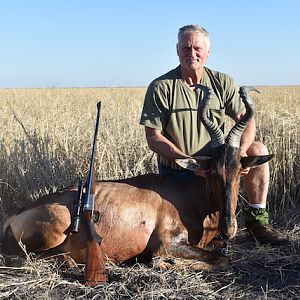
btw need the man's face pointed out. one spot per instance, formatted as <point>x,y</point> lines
<point>192,51</point>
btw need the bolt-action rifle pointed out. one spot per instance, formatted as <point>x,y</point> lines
<point>84,205</point>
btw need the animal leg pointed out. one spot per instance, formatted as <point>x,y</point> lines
<point>210,229</point>
<point>10,246</point>
<point>60,253</point>
<point>203,259</point>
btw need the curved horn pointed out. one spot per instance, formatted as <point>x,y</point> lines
<point>235,134</point>
<point>216,134</point>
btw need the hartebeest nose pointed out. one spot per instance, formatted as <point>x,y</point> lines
<point>228,231</point>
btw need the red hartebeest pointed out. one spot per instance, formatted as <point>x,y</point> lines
<point>147,215</point>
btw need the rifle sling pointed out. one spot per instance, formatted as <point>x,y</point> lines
<point>95,236</point>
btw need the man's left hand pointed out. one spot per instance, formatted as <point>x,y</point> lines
<point>246,170</point>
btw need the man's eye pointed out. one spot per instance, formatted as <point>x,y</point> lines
<point>198,48</point>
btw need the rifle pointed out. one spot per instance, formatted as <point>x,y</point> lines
<point>94,266</point>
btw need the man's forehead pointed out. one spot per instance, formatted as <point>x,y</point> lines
<point>192,37</point>
<point>189,34</point>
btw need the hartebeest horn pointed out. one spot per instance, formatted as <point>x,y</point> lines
<point>216,134</point>
<point>234,137</point>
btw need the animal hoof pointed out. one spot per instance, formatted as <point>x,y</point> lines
<point>223,262</point>
<point>14,261</point>
<point>164,263</point>
<point>216,244</point>
<point>218,264</point>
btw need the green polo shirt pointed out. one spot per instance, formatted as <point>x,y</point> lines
<point>172,107</point>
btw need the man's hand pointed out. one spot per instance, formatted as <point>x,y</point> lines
<point>246,170</point>
<point>200,165</point>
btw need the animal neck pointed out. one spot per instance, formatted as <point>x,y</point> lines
<point>215,192</point>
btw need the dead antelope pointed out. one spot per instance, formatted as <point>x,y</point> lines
<point>148,215</point>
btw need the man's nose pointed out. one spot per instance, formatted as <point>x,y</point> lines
<point>192,51</point>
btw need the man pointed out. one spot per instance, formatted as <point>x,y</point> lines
<point>173,128</point>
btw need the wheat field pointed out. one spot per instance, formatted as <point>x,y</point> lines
<point>45,143</point>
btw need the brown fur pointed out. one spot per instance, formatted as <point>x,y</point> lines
<point>143,217</point>
<point>146,215</point>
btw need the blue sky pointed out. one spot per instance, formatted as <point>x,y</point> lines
<point>72,43</point>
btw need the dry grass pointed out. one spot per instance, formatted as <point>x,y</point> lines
<point>255,272</point>
<point>46,139</point>
<point>45,144</point>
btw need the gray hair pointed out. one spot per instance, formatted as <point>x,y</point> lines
<point>194,28</point>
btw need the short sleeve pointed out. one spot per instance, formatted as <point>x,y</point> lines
<point>156,108</point>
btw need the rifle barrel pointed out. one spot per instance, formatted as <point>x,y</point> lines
<point>89,197</point>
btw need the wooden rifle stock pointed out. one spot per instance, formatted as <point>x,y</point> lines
<point>94,267</point>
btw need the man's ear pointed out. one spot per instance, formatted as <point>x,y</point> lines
<point>193,163</point>
<point>255,161</point>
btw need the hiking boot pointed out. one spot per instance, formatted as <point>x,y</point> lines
<point>268,235</point>
<point>257,223</point>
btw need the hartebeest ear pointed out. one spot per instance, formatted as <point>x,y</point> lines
<point>197,162</point>
<point>254,161</point>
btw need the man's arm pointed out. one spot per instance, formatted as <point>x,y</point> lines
<point>248,135</point>
<point>159,144</point>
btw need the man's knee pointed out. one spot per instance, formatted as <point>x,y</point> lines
<point>257,148</point>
